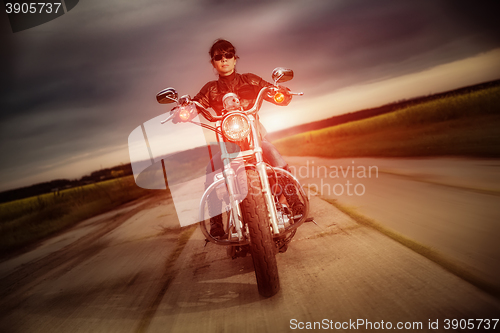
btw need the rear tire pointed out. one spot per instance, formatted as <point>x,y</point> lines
<point>262,246</point>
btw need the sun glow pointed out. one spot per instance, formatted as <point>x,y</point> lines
<point>481,68</point>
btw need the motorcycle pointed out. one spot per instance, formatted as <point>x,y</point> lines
<point>253,196</point>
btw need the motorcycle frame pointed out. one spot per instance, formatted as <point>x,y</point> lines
<point>231,184</point>
<point>230,178</point>
<point>229,175</point>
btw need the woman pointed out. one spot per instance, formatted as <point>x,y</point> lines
<point>246,86</point>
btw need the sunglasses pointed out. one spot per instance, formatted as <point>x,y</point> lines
<point>218,57</point>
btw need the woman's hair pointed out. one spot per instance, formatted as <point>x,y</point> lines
<point>222,46</point>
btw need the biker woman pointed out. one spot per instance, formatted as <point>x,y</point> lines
<point>246,86</point>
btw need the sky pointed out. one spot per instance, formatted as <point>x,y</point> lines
<point>73,89</point>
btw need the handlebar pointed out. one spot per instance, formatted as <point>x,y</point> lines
<point>256,107</point>
<point>169,118</point>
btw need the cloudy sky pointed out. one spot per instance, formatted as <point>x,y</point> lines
<point>73,89</point>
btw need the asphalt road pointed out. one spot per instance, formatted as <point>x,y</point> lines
<point>131,270</point>
<point>450,206</point>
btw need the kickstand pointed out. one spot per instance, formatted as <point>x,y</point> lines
<point>311,219</point>
<point>206,242</point>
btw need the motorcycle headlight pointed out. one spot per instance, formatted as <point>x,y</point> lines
<point>235,127</point>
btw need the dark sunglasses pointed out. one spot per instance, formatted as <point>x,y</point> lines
<point>218,57</point>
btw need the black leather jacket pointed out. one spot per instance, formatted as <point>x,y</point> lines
<point>246,86</point>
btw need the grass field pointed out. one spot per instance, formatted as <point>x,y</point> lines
<point>25,221</point>
<point>460,125</point>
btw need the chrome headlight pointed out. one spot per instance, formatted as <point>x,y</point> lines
<point>236,127</point>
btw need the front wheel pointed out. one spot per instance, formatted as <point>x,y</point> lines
<point>262,246</point>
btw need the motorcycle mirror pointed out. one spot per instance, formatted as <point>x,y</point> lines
<point>166,96</point>
<point>282,75</point>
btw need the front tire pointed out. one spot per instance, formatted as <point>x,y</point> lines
<point>262,246</point>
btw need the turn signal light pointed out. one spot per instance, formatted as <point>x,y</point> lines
<point>184,114</point>
<point>279,97</point>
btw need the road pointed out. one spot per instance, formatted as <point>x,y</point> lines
<point>450,206</point>
<point>135,270</point>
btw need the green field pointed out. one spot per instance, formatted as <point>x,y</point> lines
<point>25,221</point>
<point>465,124</point>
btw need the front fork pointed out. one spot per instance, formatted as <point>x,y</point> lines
<point>266,189</point>
<point>230,177</point>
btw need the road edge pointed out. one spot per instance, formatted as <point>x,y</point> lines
<point>426,251</point>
